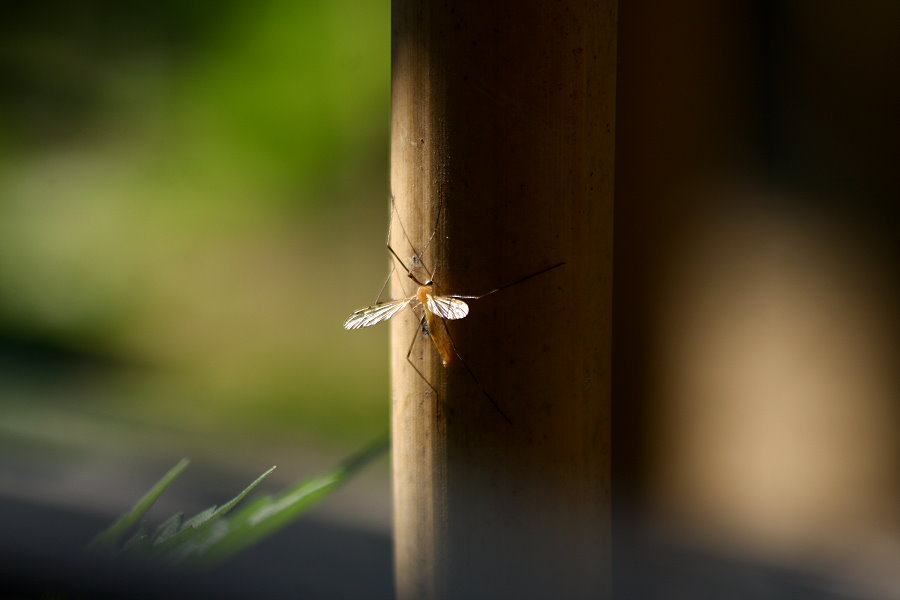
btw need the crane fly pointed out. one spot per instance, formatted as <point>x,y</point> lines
<point>434,309</point>
<point>433,306</point>
<point>450,306</point>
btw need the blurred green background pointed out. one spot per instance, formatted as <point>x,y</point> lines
<point>193,196</point>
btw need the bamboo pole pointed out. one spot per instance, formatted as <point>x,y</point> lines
<point>502,149</point>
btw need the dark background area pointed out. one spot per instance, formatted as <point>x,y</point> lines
<point>756,410</point>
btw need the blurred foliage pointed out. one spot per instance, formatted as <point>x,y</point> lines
<point>192,198</point>
<point>216,533</point>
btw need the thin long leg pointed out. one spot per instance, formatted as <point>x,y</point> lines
<point>384,285</point>
<point>396,257</point>
<point>392,271</point>
<point>394,254</point>
<point>417,255</point>
<point>508,285</point>
<point>408,270</point>
<point>423,327</point>
<point>402,281</point>
<point>434,229</point>
<point>387,243</point>
<point>472,374</point>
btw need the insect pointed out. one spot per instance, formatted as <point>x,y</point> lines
<point>431,309</point>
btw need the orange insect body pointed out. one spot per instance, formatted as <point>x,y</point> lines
<point>422,294</point>
<point>435,328</point>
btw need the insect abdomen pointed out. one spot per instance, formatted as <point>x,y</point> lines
<point>438,335</point>
<point>436,330</point>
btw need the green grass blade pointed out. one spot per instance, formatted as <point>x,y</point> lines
<point>269,514</point>
<point>210,537</point>
<point>167,529</point>
<point>178,544</point>
<point>106,540</point>
<point>225,508</point>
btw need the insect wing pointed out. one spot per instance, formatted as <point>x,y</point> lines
<point>370,315</point>
<point>447,307</point>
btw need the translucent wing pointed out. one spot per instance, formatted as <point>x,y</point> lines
<point>377,313</point>
<point>447,307</point>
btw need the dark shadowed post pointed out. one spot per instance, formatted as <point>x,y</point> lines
<point>502,147</point>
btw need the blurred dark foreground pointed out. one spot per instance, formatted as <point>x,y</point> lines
<point>40,557</point>
<point>40,553</point>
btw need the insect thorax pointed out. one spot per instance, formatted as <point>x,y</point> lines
<point>423,292</point>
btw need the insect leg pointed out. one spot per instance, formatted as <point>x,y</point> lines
<point>424,330</point>
<point>387,244</point>
<point>472,374</point>
<point>508,285</point>
<point>434,229</point>
<point>384,285</point>
<point>412,246</point>
<point>396,257</point>
<point>417,256</point>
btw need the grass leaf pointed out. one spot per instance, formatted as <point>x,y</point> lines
<point>167,529</point>
<point>107,540</point>
<point>209,537</point>
<point>181,543</point>
<point>268,514</point>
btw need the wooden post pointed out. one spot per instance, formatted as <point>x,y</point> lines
<point>502,149</point>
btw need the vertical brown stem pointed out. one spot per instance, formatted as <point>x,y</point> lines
<point>503,121</point>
